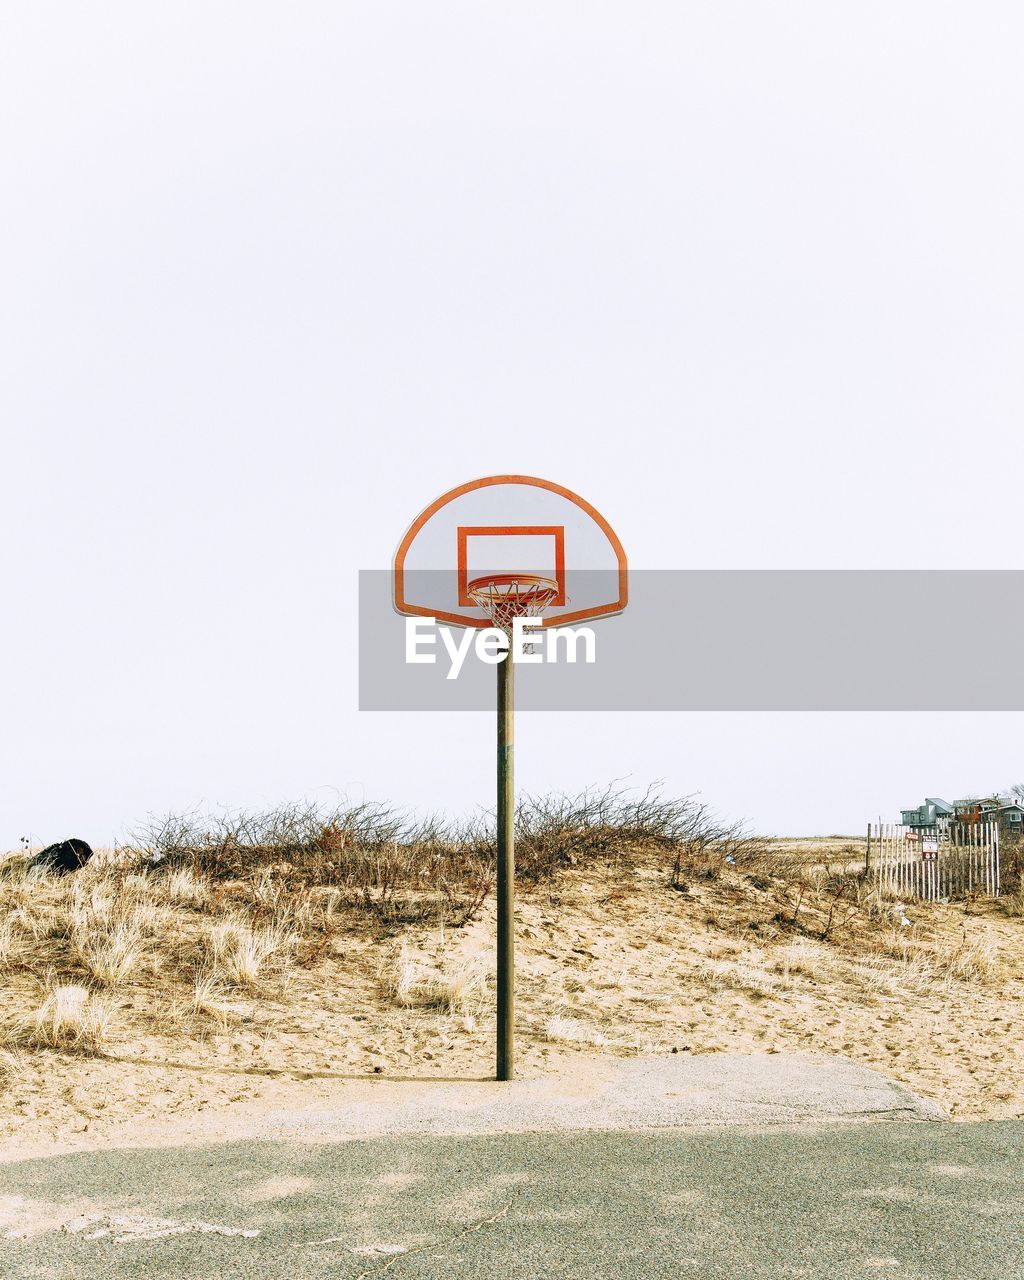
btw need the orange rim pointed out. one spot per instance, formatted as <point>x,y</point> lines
<point>535,585</point>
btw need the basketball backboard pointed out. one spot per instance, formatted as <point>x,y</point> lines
<point>500,527</point>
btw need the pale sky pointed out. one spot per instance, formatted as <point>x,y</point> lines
<point>748,277</point>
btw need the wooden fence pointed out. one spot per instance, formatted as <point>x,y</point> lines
<point>934,862</point>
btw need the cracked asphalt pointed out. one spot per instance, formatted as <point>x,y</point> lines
<point>922,1201</point>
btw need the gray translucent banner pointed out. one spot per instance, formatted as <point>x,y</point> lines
<point>786,640</point>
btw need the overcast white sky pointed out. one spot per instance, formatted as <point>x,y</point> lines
<point>747,276</point>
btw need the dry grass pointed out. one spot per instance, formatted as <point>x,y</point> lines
<point>752,975</point>
<point>183,888</point>
<point>893,979</point>
<point>13,868</point>
<point>70,1018</point>
<point>800,960</point>
<point>114,955</point>
<point>940,961</point>
<point>8,1069</point>
<point>562,1030</point>
<point>887,961</point>
<point>209,998</point>
<point>242,956</point>
<point>454,987</point>
<point>8,942</point>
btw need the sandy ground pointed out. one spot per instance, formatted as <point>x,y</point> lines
<point>607,967</point>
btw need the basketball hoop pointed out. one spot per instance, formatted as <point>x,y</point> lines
<point>507,596</point>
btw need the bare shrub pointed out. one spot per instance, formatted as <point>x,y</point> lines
<point>1013,901</point>
<point>1011,871</point>
<point>826,898</point>
<point>396,866</point>
<point>404,869</point>
<point>619,823</point>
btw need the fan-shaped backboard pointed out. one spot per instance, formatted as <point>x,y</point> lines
<point>508,525</point>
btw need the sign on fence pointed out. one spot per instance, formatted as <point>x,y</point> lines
<point>934,862</point>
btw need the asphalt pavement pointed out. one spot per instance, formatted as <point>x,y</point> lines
<point>918,1201</point>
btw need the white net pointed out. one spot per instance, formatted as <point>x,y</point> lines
<point>506,597</point>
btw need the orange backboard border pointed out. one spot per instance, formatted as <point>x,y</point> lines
<point>457,619</point>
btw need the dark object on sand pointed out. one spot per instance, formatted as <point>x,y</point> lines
<point>63,858</point>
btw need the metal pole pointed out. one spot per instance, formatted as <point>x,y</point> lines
<point>506,869</point>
